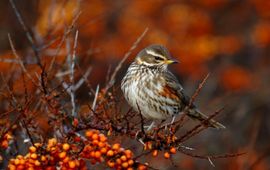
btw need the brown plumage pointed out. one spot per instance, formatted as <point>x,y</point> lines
<point>150,85</point>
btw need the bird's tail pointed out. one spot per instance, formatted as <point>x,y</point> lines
<point>196,114</point>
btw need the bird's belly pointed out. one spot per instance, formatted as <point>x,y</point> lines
<point>149,108</point>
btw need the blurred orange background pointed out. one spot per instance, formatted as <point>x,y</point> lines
<point>228,39</point>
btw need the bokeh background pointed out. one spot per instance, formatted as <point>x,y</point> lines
<point>229,39</point>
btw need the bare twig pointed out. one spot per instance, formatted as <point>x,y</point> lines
<point>118,67</point>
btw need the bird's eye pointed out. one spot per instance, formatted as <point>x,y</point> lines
<point>159,58</point>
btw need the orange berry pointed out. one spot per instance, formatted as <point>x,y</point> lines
<point>125,165</point>
<point>95,142</point>
<point>8,136</point>
<point>167,155</point>
<point>66,146</point>
<point>66,159</point>
<point>19,157</point>
<point>110,153</point>
<point>155,153</point>
<point>92,154</point>
<point>37,145</point>
<point>32,149</point>
<point>77,162</point>
<point>4,144</point>
<point>11,167</point>
<point>52,141</point>
<point>111,164</point>
<point>97,154</point>
<point>102,138</point>
<point>142,167</point>
<point>72,164</point>
<point>173,150</point>
<point>22,161</point>
<point>130,162</point>
<point>89,133</point>
<point>17,162</point>
<point>103,150</point>
<point>37,163</point>
<point>20,167</point>
<point>62,155</point>
<point>116,146</point>
<point>33,156</point>
<point>128,153</point>
<point>123,158</point>
<point>101,144</point>
<point>118,161</point>
<point>43,158</point>
<point>95,136</point>
<point>130,168</point>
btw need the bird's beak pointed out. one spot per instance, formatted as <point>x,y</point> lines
<point>171,61</point>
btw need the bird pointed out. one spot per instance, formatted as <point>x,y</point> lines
<point>151,88</point>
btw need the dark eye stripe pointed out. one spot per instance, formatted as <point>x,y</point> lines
<point>159,58</point>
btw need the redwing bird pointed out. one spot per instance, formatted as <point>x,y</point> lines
<point>150,88</point>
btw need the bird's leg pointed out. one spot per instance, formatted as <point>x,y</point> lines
<point>170,124</point>
<point>173,119</point>
<point>150,126</point>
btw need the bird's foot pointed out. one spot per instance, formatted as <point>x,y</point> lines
<point>149,127</point>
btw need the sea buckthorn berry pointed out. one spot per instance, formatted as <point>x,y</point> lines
<point>89,133</point>
<point>66,146</point>
<point>167,155</point>
<point>72,164</point>
<point>32,149</point>
<point>43,158</point>
<point>103,150</point>
<point>62,155</point>
<point>123,158</point>
<point>97,154</point>
<point>111,164</point>
<point>95,142</point>
<point>95,136</point>
<point>116,146</point>
<point>155,153</point>
<point>173,150</point>
<point>33,156</point>
<point>128,153</point>
<point>102,138</point>
<point>4,144</point>
<point>66,159</point>
<point>52,142</point>
<point>142,167</point>
<point>118,161</point>
<point>37,163</point>
<point>130,168</point>
<point>8,136</point>
<point>17,162</point>
<point>101,144</point>
<point>110,153</point>
<point>125,165</point>
<point>37,145</point>
<point>130,162</point>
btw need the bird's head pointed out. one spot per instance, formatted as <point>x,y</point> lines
<point>155,56</point>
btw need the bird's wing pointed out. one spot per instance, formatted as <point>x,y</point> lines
<point>174,85</point>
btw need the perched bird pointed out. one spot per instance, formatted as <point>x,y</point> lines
<point>150,88</point>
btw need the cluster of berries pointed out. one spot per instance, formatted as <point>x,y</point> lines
<point>5,141</point>
<point>56,155</point>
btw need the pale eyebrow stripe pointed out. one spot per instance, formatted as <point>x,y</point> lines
<point>154,53</point>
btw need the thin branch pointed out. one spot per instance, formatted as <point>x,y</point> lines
<point>118,67</point>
